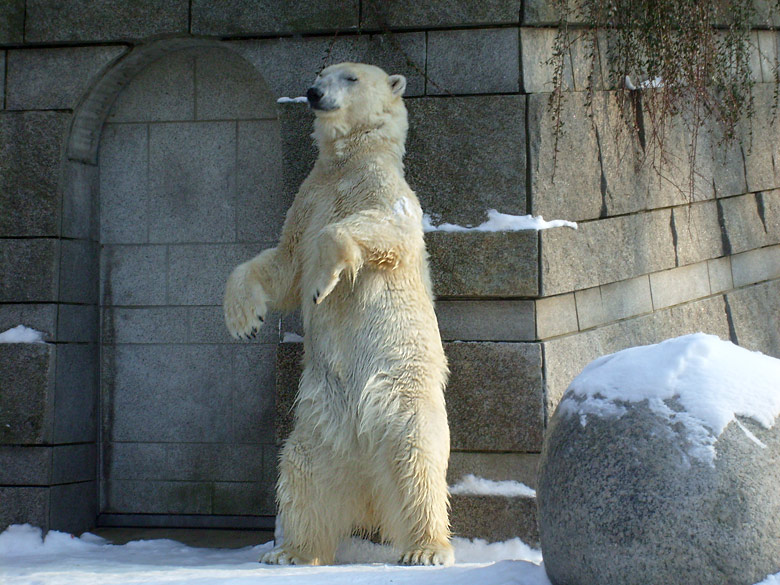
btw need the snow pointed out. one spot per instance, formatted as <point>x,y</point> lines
<point>21,334</point>
<point>296,100</point>
<point>698,381</point>
<point>500,222</point>
<point>62,559</point>
<point>471,485</point>
<point>291,338</point>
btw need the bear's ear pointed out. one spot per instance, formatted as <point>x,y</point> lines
<point>397,84</point>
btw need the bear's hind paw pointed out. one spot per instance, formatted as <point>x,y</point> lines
<point>282,556</point>
<point>429,555</point>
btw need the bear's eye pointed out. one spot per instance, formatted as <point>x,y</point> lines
<point>351,78</point>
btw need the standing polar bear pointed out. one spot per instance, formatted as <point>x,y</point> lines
<point>370,444</point>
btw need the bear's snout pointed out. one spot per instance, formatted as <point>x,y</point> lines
<point>314,95</point>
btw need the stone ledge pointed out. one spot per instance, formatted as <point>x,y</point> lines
<point>494,518</point>
<point>486,320</point>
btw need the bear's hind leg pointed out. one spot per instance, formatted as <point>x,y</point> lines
<point>313,504</point>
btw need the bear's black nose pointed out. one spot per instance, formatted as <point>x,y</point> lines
<point>313,95</point>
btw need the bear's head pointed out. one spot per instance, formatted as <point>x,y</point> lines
<point>354,98</point>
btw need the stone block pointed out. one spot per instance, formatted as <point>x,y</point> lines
<point>755,312</point>
<point>12,22</point>
<point>556,316</point>
<point>73,507</point>
<point>520,467</point>
<point>162,92</point>
<point>207,325</point>
<point>289,365</point>
<point>545,12</point>
<point>2,79</point>
<point>133,275</point>
<point>768,54</point>
<point>697,232</point>
<point>197,273</point>
<point>488,61</point>
<point>230,88</point>
<point>24,505</point>
<point>755,266</point>
<point>76,399</point>
<point>192,174</point>
<point>727,163</point>
<point>494,518</point>
<point>79,271</point>
<point>27,400</point>
<point>383,14</point>
<point>509,394</point>
<point>679,285</point>
<point>254,393</point>
<point>80,201</point>
<point>500,264</point>
<point>241,17</point>
<point>157,497</point>
<point>565,357</point>
<point>184,385</point>
<point>537,46</point>
<point>489,133</point>
<point>124,196</point>
<point>757,140</point>
<point>54,79</point>
<point>720,274</point>
<point>145,325</point>
<point>41,317</point>
<point>25,465</point>
<point>614,301</point>
<point>30,155</point>
<point>486,320</point>
<point>78,323</point>
<point>289,65</point>
<point>84,20</point>
<point>244,498</point>
<point>262,201</point>
<point>73,463</point>
<point>34,266</point>
<point>605,251</point>
<point>752,220</point>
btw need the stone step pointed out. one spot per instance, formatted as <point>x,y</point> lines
<point>494,518</point>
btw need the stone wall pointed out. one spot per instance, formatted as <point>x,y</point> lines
<point>112,110</point>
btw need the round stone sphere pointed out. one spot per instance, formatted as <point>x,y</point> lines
<point>622,500</point>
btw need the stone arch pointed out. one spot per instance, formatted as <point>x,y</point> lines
<point>203,447</point>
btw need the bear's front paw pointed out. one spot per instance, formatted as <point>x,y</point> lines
<point>282,556</point>
<point>431,554</point>
<point>325,285</point>
<point>245,304</point>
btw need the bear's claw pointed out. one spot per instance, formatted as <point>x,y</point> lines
<point>429,555</point>
<point>281,556</point>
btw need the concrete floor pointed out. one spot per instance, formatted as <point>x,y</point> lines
<point>196,537</point>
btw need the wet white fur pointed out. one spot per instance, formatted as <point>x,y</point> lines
<point>370,445</point>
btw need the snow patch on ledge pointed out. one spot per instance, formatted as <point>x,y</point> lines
<point>500,222</point>
<point>471,485</point>
<point>697,381</point>
<point>21,334</point>
<point>291,338</point>
<point>301,99</point>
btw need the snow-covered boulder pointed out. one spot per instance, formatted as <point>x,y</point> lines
<point>662,465</point>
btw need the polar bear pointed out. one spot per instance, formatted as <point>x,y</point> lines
<point>370,444</point>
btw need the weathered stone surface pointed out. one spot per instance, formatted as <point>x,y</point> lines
<point>486,320</point>
<point>720,274</point>
<point>614,301</point>
<point>467,155</point>
<point>133,275</point>
<point>697,232</point>
<point>2,79</point>
<point>27,397</point>
<point>752,220</point>
<point>41,317</point>
<point>500,264</point>
<point>536,12</point>
<point>678,285</point>
<point>244,498</point>
<point>73,507</point>
<point>50,79</point>
<point>230,88</point>
<point>508,394</point>
<point>157,497</point>
<point>565,357</point>
<point>79,272</point>
<point>760,150</point>
<point>555,316</point>
<point>488,61</point>
<point>520,467</point>
<point>537,46</point>
<point>298,151</point>
<point>80,201</point>
<point>30,153</point>
<point>494,518</point>
<point>24,505</point>
<point>621,502</point>
<point>34,264</point>
<point>396,13</point>
<point>73,463</point>
<point>12,21</point>
<point>25,465</point>
<point>207,325</point>
<point>145,325</point>
<point>755,311</point>
<point>76,398</point>
<point>755,266</point>
<point>84,20</point>
<point>241,17</point>
<point>253,393</point>
<point>605,251</point>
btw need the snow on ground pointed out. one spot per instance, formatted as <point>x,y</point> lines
<point>712,380</point>
<point>499,222</point>
<point>21,334</point>
<point>61,559</point>
<point>296,100</point>
<point>471,485</point>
